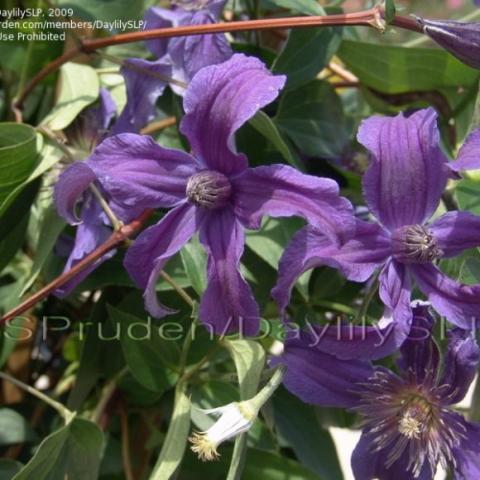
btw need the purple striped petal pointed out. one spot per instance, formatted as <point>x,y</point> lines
<point>469,155</point>
<point>71,185</point>
<point>282,191</point>
<point>228,304</point>
<point>309,248</point>
<point>459,303</point>
<point>408,171</point>
<point>461,363</point>
<point>467,455</point>
<point>145,81</point>
<point>455,232</point>
<point>318,378</point>
<point>219,100</point>
<point>137,172</point>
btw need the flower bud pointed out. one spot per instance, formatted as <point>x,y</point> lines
<point>461,39</point>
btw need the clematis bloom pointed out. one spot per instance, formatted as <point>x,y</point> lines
<point>212,191</point>
<point>409,425</point>
<point>402,186</point>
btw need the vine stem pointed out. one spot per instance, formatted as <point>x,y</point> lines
<point>60,408</point>
<point>367,18</point>
<point>123,233</point>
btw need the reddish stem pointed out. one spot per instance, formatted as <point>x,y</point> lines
<point>118,237</point>
<point>369,18</point>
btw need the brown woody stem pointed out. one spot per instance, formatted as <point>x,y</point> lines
<point>368,18</point>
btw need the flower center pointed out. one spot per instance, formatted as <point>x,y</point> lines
<point>414,418</point>
<point>415,244</point>
<point>209,189</point>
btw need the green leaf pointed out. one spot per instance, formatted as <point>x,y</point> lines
<point>467,193</point>
<point>8,468</point>
<point>18,157</point>
<point>306,52</point>
<point>194,260</point>
<point>79,87</point>
<point>176,439</point>
<point>249,359</point>
<point>264,125</point>
<point>72,452</point>
<point>298,425</point>
<point>393,69</point>
<point>14,428</point>
<point>307,7</point>
<point>146,353</point>
<point>312,116</point>
<point>50,229</point>
<point>106,11</point>
<point>390,11</point>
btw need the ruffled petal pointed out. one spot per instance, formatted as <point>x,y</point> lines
<point>228,304</point>
<point>322,379</point>
<point>155,246</point>
<point>459,303</point>
<point>219,100</point>
<point>455,232</point>
<point>70,187</point>
<point>145,82</point>
<point>461,362</point>
<point>282,191</point>
<point>368,464</point>
<point>90,234</point>
<point>468,157</point>
<point>467,455</point>
<point>310,248</point>
<point>137,172</point>
<point>408,171</point>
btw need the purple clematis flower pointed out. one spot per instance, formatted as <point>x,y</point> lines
<point>461,39</point>
<point>212,191</point>
<point>95,124</point>
<point>403,185</point>
<point>409,426</point>
<point>188,55</point>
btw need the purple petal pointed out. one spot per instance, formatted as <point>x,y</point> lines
<point>455,232</point>
<point>420,354</point>
<point>461,364</point>
<point>408,171</point>
<point>145,81</point>
<point>318,378</point>
<point>70,186</point>
<point>368,464</point>
<point>309,248</point>
<point>191,54</point>
<point>282,191</point>
<point>467,455</point>
<point>155,246</point>
<point>461,39</point>
<point>468,157</point>
<point>91,233</point>
<point>219,100</point>
<point>137,172</point>
<point>228,304</point>
<point>156,17</point>
<point>459,303</point>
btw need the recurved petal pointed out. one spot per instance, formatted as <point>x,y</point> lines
<point>228,304</point>
<point>455,232</point>
<point>461,362</point>
<point>408,171</point>
<point>155,246</point>
<point>469,155</point>
<point>309,248</point>
<point>459,303</point>
<point>137,172</point>
<point>218,101</point>
<point>322,379</point>
<point>145,81</point>
<point>282,191</point>
<point>69,189</point>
